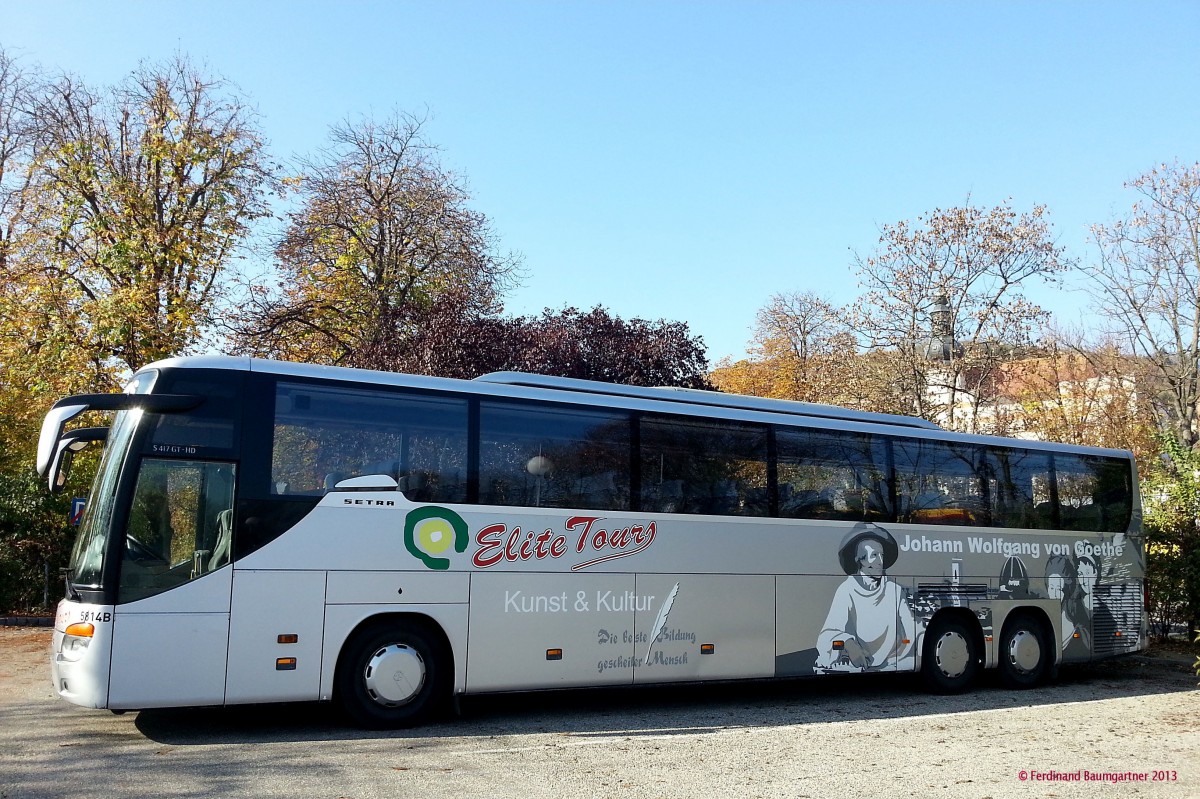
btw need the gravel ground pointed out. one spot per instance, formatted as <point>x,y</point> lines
<point>819,738</point>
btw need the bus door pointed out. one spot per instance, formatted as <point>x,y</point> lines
<point>171,621</point>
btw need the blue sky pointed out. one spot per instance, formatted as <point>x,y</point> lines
<point>687,160</point>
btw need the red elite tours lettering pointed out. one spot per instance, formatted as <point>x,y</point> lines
<point>497,543</point>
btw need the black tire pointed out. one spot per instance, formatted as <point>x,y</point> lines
<point>950,657</point>
<point>393,674</point>
<point>1026,658</point>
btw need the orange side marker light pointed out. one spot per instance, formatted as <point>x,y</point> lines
<point>81,630</point>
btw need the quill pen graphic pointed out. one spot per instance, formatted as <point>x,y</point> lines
<point>661,621</point>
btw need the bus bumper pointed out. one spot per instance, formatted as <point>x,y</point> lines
<point>80,652</point>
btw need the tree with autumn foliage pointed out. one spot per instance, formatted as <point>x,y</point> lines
<point>383,239</point>
<point>1146,283</point>
<point>153,187</point>
<point>943,306</point>
<point>587,345</point>
<point>18,175</point>
<point>971,266</point>
<point>121,210</point>
<point>805,349</point>
<point>1070,390</point>
<point>33,530</point>
<point>36,334</point>
<point>385,265</point>
<point>150,189</point>
<point>800,335</point>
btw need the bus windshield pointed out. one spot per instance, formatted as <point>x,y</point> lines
<point>87,556</point>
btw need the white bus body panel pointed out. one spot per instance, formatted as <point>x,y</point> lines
<point>366,537</point>
<point>82,677</point>
<point>408,588</point>
<point>170,650</point>
<point>266,605</point>
<point>354,597</point>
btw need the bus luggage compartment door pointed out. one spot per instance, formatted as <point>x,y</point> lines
<point>276,627</point>
<point>550,631</point>
<point>704,627</point>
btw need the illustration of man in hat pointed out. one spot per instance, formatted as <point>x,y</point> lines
<point>870,626</point>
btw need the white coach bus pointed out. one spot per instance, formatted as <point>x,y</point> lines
<point>265,532</point>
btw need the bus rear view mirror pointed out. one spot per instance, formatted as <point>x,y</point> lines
<point>64,453</point>
<point>68,408</point>
<point>52,427</point>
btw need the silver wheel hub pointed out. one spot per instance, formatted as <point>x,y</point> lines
<point>1025,652</point>
<point>952,654</point>
<point>394,675</point>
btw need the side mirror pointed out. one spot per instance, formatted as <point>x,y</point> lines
<point>64,453</point>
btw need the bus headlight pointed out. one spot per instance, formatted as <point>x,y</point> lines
<point>76,640</point>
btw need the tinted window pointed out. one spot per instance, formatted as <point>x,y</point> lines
<point>558,457</point>
<point>939,483</point>
<point>208,430</point>
<point>831,475</point>
<point>1094,493</point>
<point>1019,489</point>
<point>325,434</point>
<point>704,467</point>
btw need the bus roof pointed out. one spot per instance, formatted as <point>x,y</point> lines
<point>530,386</point>
<point>717,399</point>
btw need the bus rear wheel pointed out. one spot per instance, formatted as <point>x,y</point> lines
<point>950,661</point>
<point>392,674</point>
<point>1025,657</point>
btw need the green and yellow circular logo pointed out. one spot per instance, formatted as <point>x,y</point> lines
<point>431,531</point>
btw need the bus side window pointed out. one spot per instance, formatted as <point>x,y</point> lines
<point>325,434</point>
<point>1019,488</point>
<point>939,482</point>
<point>180,524</point>
<point>703,467</point>
<point>1093,493</point>
<point>831,475</point>
<point>539,455</point>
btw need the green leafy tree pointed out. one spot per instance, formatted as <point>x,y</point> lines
<point>34,541</point>
<point>1171,495</point>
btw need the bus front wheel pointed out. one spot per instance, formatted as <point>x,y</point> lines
<point>950,660</point>
<point>393,674</point>
<point>1025,657</point>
